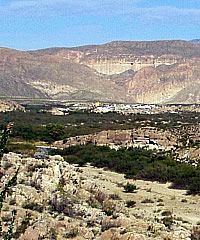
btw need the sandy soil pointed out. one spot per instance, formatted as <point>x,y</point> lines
<point>185,208</point>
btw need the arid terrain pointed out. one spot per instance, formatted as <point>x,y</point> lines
<point>183,207</point>
<point>119,71</point>
<point>67,202</point>
<point>71,192</point>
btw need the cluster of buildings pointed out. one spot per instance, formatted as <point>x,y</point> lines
<point>100,107</point>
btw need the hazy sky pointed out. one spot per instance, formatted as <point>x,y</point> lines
<point>33,24</point>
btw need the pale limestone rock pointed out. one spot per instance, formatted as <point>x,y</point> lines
<point>48,182</point>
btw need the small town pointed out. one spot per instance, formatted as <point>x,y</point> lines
<point>98,107</point>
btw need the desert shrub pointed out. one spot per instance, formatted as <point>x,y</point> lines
<point>108,211</point>
<point>152,230</point>
<point>33,206</point>
<point>53,234</point>
<point>100,196</point>
<point>160,200</point>
<point>21,148</point>
<point>109,207</point>
<point>71,159</point>
<point>137,163</point>
<point>93,203</point>
<point>129,188</point>
<point>81,162</point>
<point>168,221</point>
<point>194,187</point>
<point>114,196</point>
<point>147,200</point>
<point>130,203</point>
<point>59,203</point>
<point>72,234</point>
<point>166,213</point>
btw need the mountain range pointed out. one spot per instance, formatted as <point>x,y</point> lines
<point>120,71</point>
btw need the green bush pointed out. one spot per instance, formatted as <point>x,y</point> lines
<point>129,188</point>
<point>33,206</point>
<point>21,148</point>
<point>137,163</point>
<point>108,211</point>
<point>168,221</point>
<point>130,203</point>
<point>194,187</point>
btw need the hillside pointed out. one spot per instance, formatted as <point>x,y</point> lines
<point>126,71</point>
<point>196,41</point>
<point>55,200</point>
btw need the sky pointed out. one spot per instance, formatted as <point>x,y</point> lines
<point>36,24</point>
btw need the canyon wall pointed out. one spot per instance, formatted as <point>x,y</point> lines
<point>122,63</point>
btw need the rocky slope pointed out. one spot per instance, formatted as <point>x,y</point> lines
<point>55,200</point>
<point>142,137</point>
<point>145,72</point>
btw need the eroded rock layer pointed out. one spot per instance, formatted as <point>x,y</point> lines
<point>144,72</point>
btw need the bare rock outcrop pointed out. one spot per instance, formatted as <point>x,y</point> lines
<point>61,202</point>
<point>142,137</point>
<point>7,106</point>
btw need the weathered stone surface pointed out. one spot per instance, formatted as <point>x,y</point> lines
<point>144,137</point>
<point>63,204</point>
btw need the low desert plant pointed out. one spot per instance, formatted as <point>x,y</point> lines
<point>152,230</point>
<point>130,203</point>
<point>93,202</point>
<point>109,207</point>
<point>53,234</point>
<point>73,233</point>
<point>100,196</point>
<point>114,196</point>
<point>168,221</point>
<point>166,213</point>
<point>160,200</point>
<point>147,200</point>
<point>129,188</point>
<point>108,211</point>
<point>33,206</point>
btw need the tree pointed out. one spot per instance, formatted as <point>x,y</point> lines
<point>55,131</point>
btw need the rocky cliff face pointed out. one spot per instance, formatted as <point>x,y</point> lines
<point>145,72</point>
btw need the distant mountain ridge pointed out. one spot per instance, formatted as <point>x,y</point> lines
<point>196,41</point>
<point>127,71</point>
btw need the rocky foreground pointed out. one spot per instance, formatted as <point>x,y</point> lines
<point>55,200</point>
